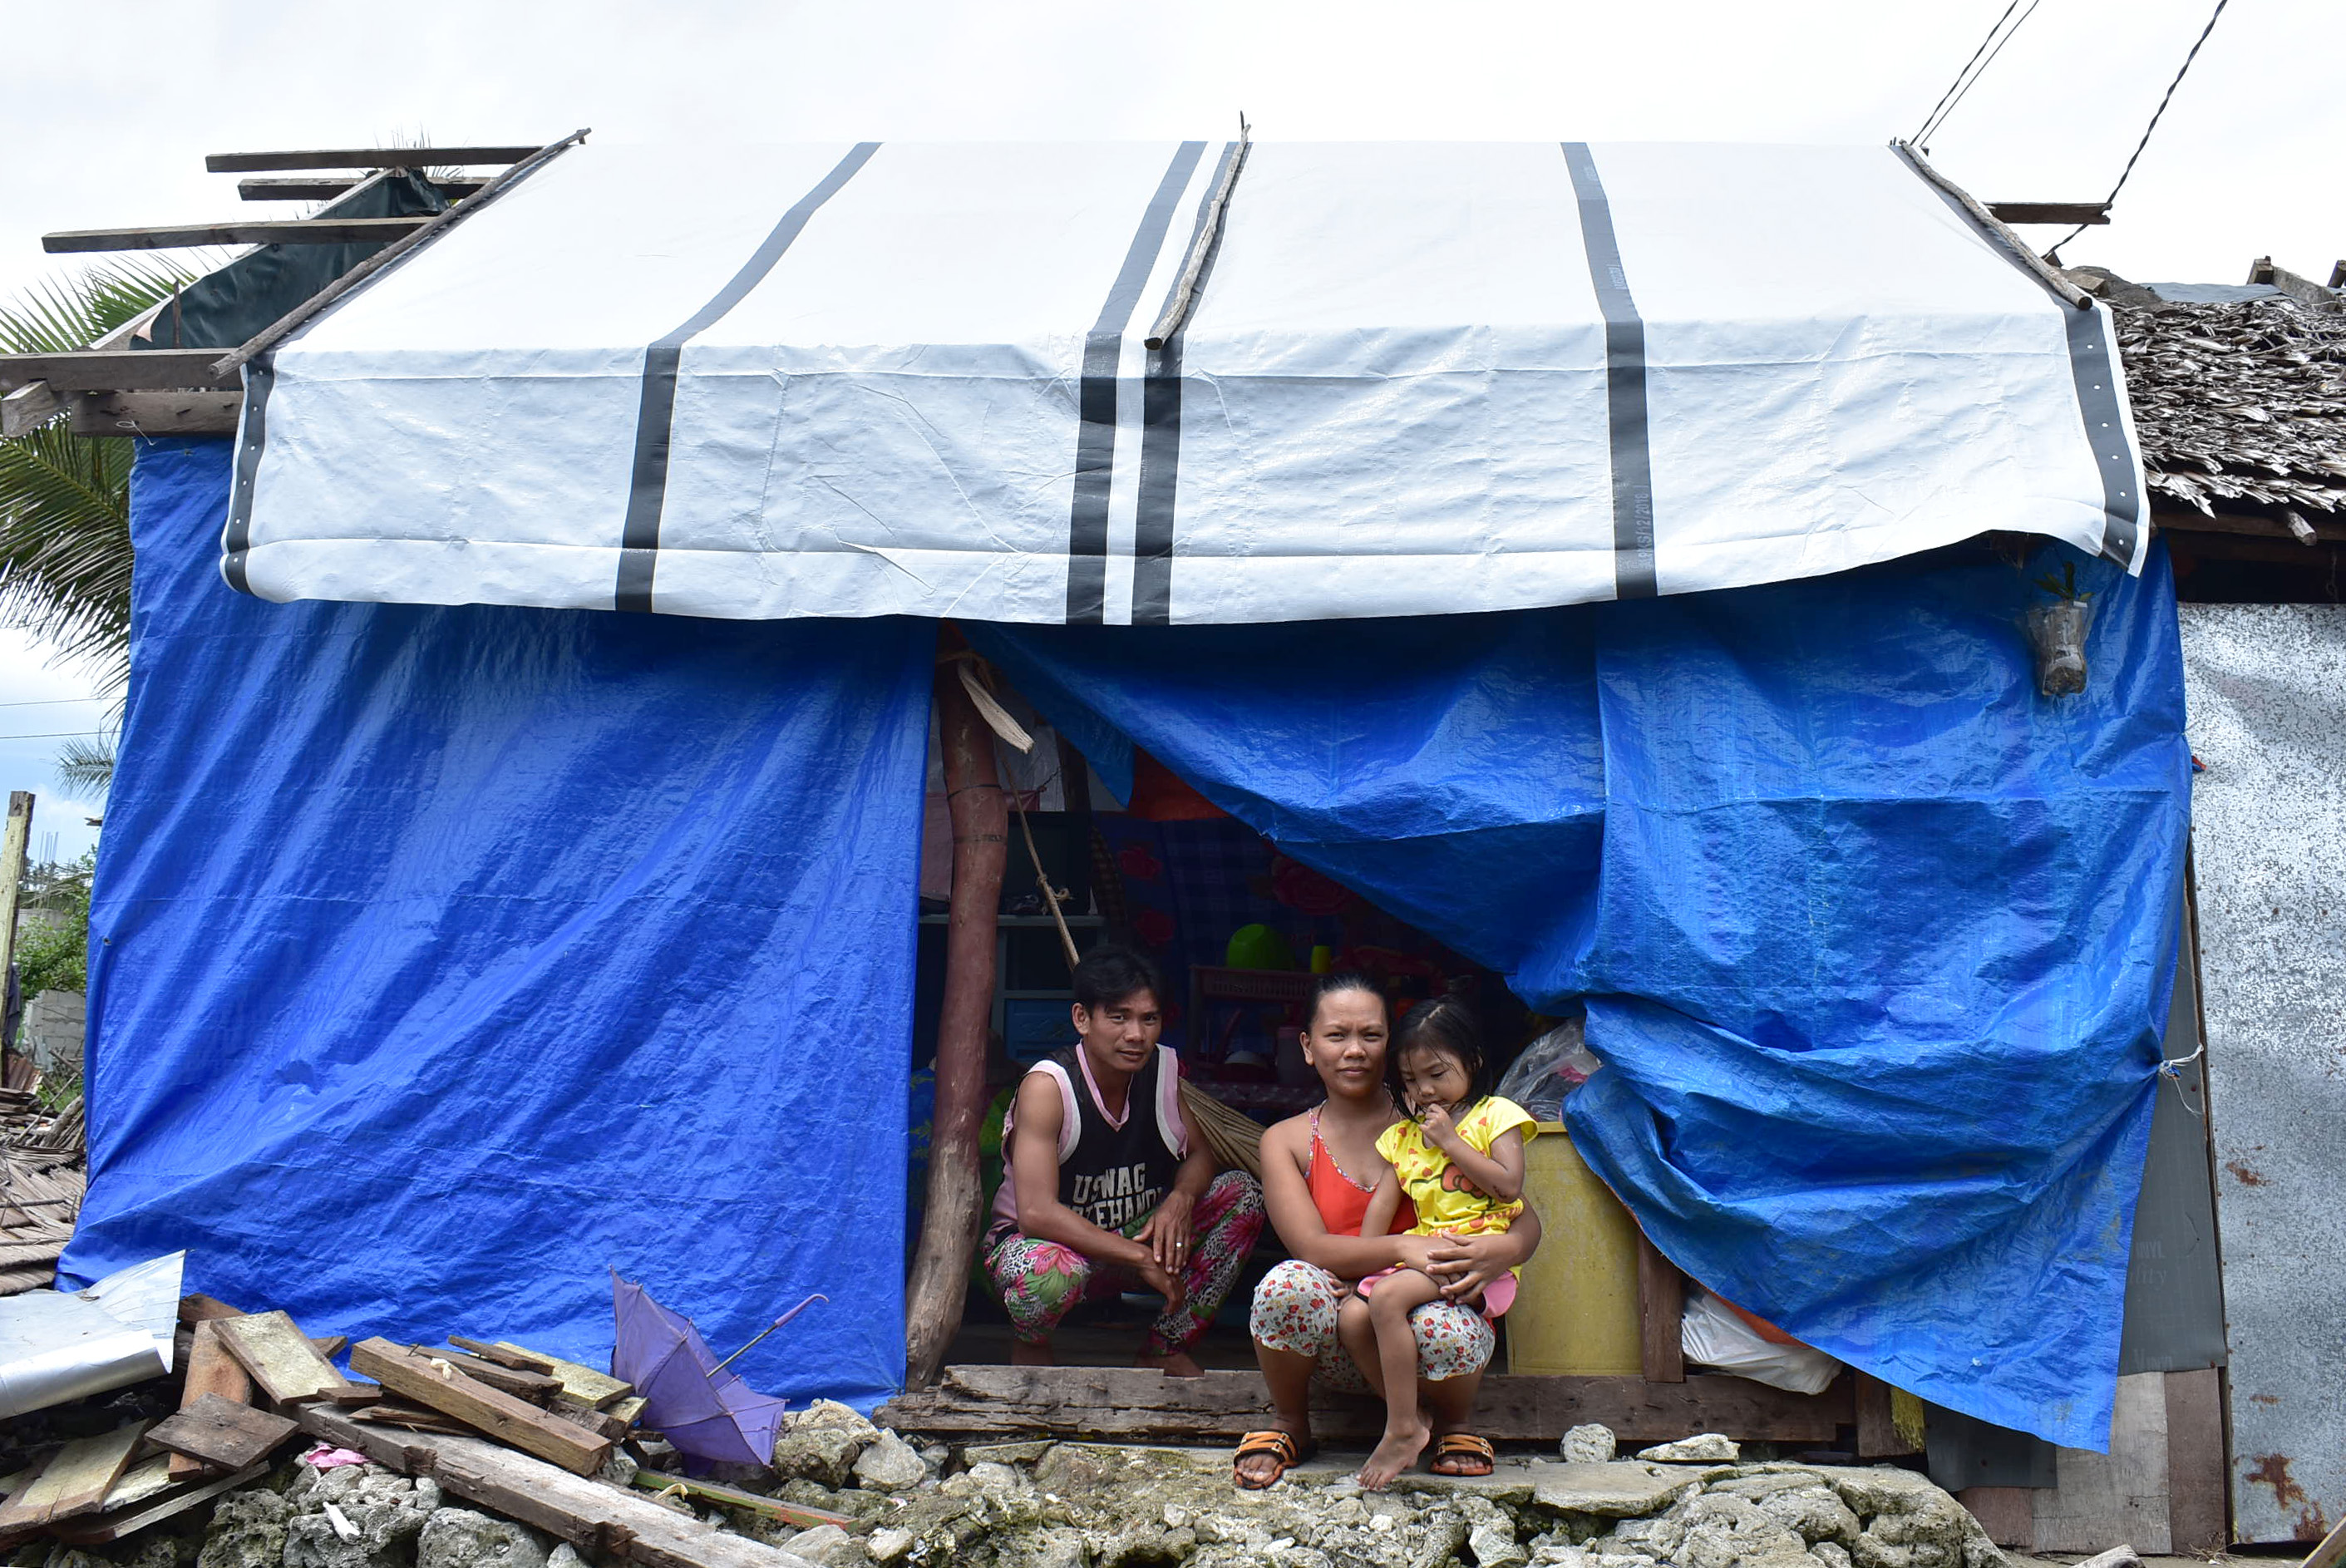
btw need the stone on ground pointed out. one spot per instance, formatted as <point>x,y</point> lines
<point>1590,1444</point>
<point>462,1538</point>
<point>890,1464</point>
<point>1709,1447</point>
<point>822,1442</point>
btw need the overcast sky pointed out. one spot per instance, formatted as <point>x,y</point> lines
<point>109,111</point>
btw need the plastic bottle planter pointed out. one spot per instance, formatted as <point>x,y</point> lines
<point>2057,633</point>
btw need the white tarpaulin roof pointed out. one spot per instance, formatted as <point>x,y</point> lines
<point>1417,378</point>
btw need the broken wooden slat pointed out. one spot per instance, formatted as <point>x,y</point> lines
<point>326,188</point>
<point>590,1515</point>
<point>2331,1552</point>
<point>263,231</point>
<point>212,1373</point>
<point>594,1420</point>
<point>281,1359</point>
<point>117,370</point>
<point>2050,211</point>
<point>535,1386</point>
<point>196,1307</point>
<point>116,1523</point>
<point>450,1392</point>
<point>397,1413</point>
<point>363,158</point>
<point>1132,1404</point>
<point>629,1409</point>
<point>504,1355</point>
<point>357,1394</point>
<point>585,1384</point>
<point>74,1480</point>
<point>221,1432</point>
<point>796,1514</point>
<point>331,1345</point>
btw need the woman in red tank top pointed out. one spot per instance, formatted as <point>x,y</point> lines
<point>1319,1170</point>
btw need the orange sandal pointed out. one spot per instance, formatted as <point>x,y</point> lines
<point>1280,1446</point>
<point>1463,1453</point>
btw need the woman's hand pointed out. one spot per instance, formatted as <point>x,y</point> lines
<point>1462,1265</point>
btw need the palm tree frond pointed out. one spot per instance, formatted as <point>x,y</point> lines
<point>85,769</point>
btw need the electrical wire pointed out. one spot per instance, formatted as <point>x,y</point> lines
<point>57,735</point>
<point>1933,117</point>
<point>1939,117</point>
<point>50,701</point>
<point>2111,200</point>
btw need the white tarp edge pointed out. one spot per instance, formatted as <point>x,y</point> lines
<point>1419,378</point>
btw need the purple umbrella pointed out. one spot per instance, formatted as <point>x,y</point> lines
<point>707,1412</point>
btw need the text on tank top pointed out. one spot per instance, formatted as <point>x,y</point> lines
<point>1116,1173</point>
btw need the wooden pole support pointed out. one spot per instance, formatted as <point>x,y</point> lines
<point>939,1284</point>
<point>18,833</point>
<point>1661,1303</point>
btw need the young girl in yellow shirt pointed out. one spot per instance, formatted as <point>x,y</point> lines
<point>1458,1152</point>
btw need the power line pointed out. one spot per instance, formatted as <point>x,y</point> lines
<point>50,701</point>
<point>57,735</point>
<point>2111,200</point>
<point>1960,88</point>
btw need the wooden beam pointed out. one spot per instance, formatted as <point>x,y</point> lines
<point>2196,1476</point>
<point>1134,1405</point>
<point>2050,211</point>
<point>221,1432</point>
<point>598,1390</point>
<point>14,838</point>
<point>2213,546</point>
<point>1661,1305</point>
<point>2328,527</point>
<point>280,1359</point>
<point>802,1515</point>
<point>327,186</point>
<point>600,1520</point>
<point>413,1375</point>
<point>938,1285</point>
<point>290,231</point>
<point>1996,230</point>
<point>100,1529</point>
<point>212,1373</point>
<point>26,409</point>
<point>117,370</point>
<point>74,1480</point>
<point>365,158</point>
<point>1878,1436</point>
<point>128,413</point>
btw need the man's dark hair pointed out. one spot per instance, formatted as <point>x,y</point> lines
<point>1110,973</point>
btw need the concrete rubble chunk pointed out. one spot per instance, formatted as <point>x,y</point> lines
<point>1006,1452</point>
<point>1816,1511</point>
<point>1617,1491</point>
<point>462,1538</point>
<point>1831,1553</point>
<point>889,1545</point>
<point>247,1530</point>
<point>822,1444</point>
<point>1707,1448</point>
<point>826,1546</point>
<point>1588,1444</point>
<point>889,1464</point>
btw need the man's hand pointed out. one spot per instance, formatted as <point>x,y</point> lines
<point>1166,1283</point>
<point>1170,1232</point>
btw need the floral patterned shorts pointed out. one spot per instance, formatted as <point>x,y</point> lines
<point>1295,1310</point>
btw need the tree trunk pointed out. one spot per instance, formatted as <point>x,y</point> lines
<point>940,1278</point>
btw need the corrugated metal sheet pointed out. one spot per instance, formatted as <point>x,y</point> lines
<point>2268,716</point>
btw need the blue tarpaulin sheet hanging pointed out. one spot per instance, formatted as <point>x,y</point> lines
<point>444,957</point>
<point>1875,940</point>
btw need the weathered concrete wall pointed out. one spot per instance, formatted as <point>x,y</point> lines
<point>2268,717</point>
<point>53,1029</point>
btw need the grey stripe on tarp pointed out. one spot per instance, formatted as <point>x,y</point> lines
<point>1160,432</point>
<point>1095,396</point>
<point>252,439</point>
<point>655,409</point>
<point>1625,383</point>
<point>2094,371</point>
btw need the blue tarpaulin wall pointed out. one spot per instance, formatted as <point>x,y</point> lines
<point>442,956</point>
<point>1876,943</point>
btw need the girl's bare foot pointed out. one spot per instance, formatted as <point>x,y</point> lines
<point>1179,1364</point>
<point>1395,1454</point>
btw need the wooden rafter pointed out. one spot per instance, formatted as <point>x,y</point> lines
<point>365,158</point>
<point>2050,211</point>
<point>294,231</point>
<point>117,370</point>
<point>327,186</point>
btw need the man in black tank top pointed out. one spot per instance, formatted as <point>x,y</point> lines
<point>1107,1184</point>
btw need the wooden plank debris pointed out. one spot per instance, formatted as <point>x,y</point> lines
<point>196,1307</point>
<point>281,1359</point>
<point>2331,1552</point>
<point>430,1380</point>
<point>1131,1404</point>
<point>28,408</point>
<point>504,1355</point>
<point>212,1373</point>
<point>326,188</point>
<point>585,1384</point>
<point>538,1388</point>
<point>117,370</point>
<point>797,1513</point>
<point>74,1480</point>
<point>263,231</point>
<point>590,1515</point>
<point>629,1409</point>
<point>120,1520</point>
<point>1878,1432</point>
<point>600,1422</point>
<point>1661,1304</point>
<point>365,158</point>
<point>398,1413</point>
<point>221,1432</point>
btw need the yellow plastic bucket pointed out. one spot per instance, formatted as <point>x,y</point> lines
<point>1576,1312</point>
